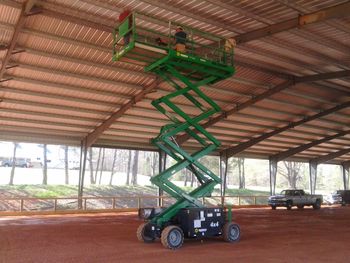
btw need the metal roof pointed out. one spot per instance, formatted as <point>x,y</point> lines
<point>292,86</point>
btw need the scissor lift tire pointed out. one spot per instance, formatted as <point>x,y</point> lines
<point>172,237</point>
<point>140,233</point>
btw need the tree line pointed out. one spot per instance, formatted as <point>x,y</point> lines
<point>133,162</point>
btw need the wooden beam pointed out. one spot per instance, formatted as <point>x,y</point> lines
<point>26,7</point>
<point>324,76</point>
<point>11,3</point>
<point>181,139</point>
<point>346,164</point>
<point>93,136</point>
<point>301,148</point>
<point>76,20</point>
<point>243,146</point>
<point>338,11</point>
<point>3,47</point>
<point>331,156</point>
<point>268,93</point>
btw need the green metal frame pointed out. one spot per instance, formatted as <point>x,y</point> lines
<point>173,68</point>
<point>213,52</point>
<point>186,73</point>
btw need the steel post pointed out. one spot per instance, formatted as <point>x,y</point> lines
<point>162,165</point>
<point>223,172</point>
<point>83,153</point>
<point>346,173</point>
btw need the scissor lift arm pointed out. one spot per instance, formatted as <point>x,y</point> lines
<point>186,73</point>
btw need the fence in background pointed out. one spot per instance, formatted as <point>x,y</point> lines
<point>58,204</point>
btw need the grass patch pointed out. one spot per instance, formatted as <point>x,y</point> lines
<point>243,192</point>
<point>48,191</point>
<point>40,191</point>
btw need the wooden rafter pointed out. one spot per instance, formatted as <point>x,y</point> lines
<point>245,145</point>
<point>26,7</point>
<point>290,152</point>
<point>93,136</point>
<point>267,94</point>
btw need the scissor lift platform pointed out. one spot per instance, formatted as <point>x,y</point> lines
<point>186,72</point>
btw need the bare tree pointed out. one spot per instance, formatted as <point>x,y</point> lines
<point>232,163</point>
<point>241,173</point>
<point>12,176</point>
<point>45,164</point>
<point>113,164</point>
<point>102,163</point>
<point>128,169</point>
<point>97,165</point>
<point>291,172</point>
<point>154,159</point>
<point>192,179</point>
<point>135,168</point>
<point>66,166</point>
<point>92,179</point>
<point>186,177</point>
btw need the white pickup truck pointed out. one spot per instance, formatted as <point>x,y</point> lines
<point>295,197</point>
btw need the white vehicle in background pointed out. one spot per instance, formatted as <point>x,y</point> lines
<point>333,199</point>
<point>20,162</point>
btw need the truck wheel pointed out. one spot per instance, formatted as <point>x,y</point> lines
<point>140,233</point>
<point>300,206</point>
<point>231,232</point>
<point>289,205</point>
<point>317,205</point>
<point>273,207</point>
<point>172,237</point>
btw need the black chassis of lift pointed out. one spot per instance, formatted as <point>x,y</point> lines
<point>195,222</point>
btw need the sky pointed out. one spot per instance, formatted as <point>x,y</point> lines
<point>30,150</point>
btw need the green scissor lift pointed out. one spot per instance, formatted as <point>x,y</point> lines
<point>202,64</point>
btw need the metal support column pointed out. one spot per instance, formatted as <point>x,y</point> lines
<point>313,176</point>
<point>223,172</point>
<point>162,167</point>
<point>83,153</point>
<point>346,173</point>
<point>273,173</point>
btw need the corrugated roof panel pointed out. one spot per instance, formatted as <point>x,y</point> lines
<point>327,31</point>
<point>9,14</point>
<point>16,93</point>
<point>317,4</point>
<point>64,29</point>
<point>283,54</point>
<point>141,121</point>
<point>272,60</point>
<point>2,54</point>
<point>40,124</point>
<point>271,10</point>
<point>43,116</point>
<point>74,9</point>
<point>318,91</point>
<point>80,82</point>
<point>66,91</point>
<point>5,36</point>
<point>66,70</point>
<point>46,107</point>
<point>72,52</point>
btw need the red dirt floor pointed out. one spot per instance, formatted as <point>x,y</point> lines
<point>267,236</point>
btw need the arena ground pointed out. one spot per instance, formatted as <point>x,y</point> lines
<point>267,236</point>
